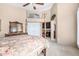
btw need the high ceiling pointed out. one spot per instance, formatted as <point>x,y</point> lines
<point>39,8</point>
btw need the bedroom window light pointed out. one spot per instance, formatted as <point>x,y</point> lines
<point>33,28</point>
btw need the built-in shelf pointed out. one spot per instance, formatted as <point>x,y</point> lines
<point>46,29</point>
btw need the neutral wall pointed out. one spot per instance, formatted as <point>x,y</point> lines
<point>11,13</point>
<point>53,11</point>
<point>66,23</point>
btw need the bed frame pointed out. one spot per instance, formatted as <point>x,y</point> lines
<point>44,51</point>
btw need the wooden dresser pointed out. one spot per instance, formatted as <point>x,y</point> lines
<point>15,28</point>
<point>14,34</point>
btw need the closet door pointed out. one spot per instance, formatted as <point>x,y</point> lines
<point>34,29</point>
<point>78,28</point>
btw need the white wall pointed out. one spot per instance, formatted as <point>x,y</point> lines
<point>53,11</point>
<point>10,13</point>
<point>67,23</point>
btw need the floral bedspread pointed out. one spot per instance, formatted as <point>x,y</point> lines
<point>20,45</point>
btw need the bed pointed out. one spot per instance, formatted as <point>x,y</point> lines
<point>22,45</point>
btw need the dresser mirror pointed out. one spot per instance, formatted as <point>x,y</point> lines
<point>15,27</point>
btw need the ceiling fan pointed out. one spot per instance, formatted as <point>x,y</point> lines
<point>33,6</point>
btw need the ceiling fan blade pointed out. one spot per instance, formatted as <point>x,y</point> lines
<point>26,4</point>
<point>34,7</point>
<point>40,3</point>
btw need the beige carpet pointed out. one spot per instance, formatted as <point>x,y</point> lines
<point>60,50</point>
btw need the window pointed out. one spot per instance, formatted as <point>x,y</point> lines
<point>34,29</point>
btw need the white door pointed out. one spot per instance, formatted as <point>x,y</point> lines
<point>34,28</point>
<point>78,28</point>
